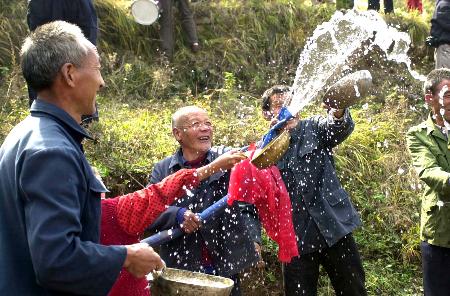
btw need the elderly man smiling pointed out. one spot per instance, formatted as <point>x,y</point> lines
<point>224,246</point>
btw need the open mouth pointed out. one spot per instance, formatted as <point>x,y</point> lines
<point>204,138</point>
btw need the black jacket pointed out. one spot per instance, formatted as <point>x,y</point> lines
<point>321,209</point>
<point>440,23</point>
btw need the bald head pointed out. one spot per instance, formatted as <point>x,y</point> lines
<point>180,116</point>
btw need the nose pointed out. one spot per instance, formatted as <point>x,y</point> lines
<point>203,126</point>
<point>102,82</point>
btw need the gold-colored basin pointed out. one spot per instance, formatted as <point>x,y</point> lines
<point>187,283</point>
<point>270,154</point>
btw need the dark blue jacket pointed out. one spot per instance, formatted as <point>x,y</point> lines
<point>440,23</point>
<point>229,238</point>
<point>79,12</point>
<point>322,210</point>
<point>50,211</point>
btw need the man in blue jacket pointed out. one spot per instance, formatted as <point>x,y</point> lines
<point>322,212</point>
<point>223,246</point>
<point>440,33</point>
<point>49,195</point>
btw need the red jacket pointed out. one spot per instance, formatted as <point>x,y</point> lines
<point>124,219</point>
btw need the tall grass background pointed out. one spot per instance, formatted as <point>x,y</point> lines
<point>247,46</point>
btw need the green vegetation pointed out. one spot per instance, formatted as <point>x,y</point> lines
<point>247,46</point>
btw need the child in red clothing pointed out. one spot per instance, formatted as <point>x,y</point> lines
<point>124,218</point>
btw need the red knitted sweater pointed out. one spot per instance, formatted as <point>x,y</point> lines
<point>124,219</point>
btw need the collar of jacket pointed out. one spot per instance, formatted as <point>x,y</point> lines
<point>178,159</point>
<point>433,129</point>
<point>49,110</point>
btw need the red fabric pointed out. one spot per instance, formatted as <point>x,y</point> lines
<point>266,190</point>
<point>111,233</point>
<point>139,209</point>
<point>415,4</point>
<point>124,219</point>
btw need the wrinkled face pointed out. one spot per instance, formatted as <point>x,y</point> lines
<point>194,132</point>
<point>89,81</point>
<point>276,103</point>
<point>441,100</point>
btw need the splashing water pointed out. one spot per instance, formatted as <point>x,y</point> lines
<point>332,45</point>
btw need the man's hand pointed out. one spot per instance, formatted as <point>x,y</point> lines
<point>141,260</point>
<point>191,222</point>
<point>290,124</point>
<point>222,163</point>
<point>337,113</point>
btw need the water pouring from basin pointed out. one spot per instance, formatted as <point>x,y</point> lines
<point>326,58</point>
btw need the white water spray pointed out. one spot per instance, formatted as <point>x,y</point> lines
<point>332,44</point>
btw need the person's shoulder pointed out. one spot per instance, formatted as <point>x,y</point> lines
<point>417,128</point>
<point>164,162</point>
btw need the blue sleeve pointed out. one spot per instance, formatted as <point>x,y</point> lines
<point>53,183</point>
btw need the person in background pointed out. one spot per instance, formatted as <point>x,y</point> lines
<point>125,218</point>
<point>375,5</point>
<point>224,246</point>
<point>323,215</point>
<point>166,30</point>
<point>440,34</point>
<point>428,145</point>
<point>79,12</point>
<point>49,195</point>
<point>415,5</point>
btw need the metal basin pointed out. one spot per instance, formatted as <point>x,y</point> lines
<point>187,283</point>
<point>270,154</point>
<point>348,90</point>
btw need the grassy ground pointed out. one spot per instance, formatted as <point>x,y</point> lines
<point>246,47</point>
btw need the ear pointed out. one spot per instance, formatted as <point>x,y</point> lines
<point>177,134</point>
<point>429,98</point>
<point>68,73</point>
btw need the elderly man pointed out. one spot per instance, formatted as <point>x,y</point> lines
<point>428,144</point>
<point>322,212</point>
<point>224,246</point>
<point>49,195</point>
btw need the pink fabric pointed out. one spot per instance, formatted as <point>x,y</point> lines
<point>266,190</point>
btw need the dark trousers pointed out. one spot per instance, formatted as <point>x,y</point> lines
<point>375,5</point>
<point>341,262</point>
<point>166,23</point>
<point>436,270</point>
<point>236,291</point>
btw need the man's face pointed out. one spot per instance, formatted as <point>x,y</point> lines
<point>89,81</point>
<point>194,132</point>
<point>440,102</point>
<point>276,103</point>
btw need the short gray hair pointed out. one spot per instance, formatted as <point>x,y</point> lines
<point>434,78</point>
<point>182,112</point>
<point>48,48</point>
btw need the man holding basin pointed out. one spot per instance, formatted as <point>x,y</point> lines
<point>323,214</point>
